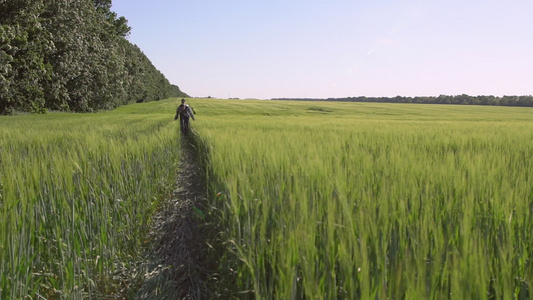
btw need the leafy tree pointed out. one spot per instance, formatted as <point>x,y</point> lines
<point>73,56</point>
<point>442,99</point>
<point>22,65</point>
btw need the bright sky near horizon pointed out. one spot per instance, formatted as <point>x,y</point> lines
<point>337,48</point>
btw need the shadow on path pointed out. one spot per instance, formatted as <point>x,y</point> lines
<point>178,265</point>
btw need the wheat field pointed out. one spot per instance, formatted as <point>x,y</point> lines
<point>76,195</point>
<point>328,200</point>
<point>312,200</point>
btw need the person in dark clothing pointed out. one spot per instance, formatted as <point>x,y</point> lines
<point>183,112</point>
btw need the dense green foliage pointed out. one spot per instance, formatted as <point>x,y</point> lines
<point>442,99</point>
<point>76,194</point>
<point>71,56</point>
<point>330,200</point>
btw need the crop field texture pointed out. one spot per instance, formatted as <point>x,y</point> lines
<point>324,200</point>
<point>76,193</point>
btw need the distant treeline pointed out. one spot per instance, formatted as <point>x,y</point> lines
<point>72,56</point>
<point>442,99</point>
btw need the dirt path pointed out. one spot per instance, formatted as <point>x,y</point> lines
<point>178,267</point>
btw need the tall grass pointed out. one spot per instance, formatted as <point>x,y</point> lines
<point>77,191</point>
<point>372,201</point>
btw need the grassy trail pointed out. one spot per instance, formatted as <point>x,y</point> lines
<point>176,263</point>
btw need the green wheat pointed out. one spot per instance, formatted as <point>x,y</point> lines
<point>77,192</point>
<point>372,201</point>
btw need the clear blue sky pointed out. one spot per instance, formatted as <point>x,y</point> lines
<point>334,48</point>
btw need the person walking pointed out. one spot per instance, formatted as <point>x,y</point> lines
<point>183,112</point>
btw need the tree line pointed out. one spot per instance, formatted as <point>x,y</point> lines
<point>72,55</point>
<point>442,99</point>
